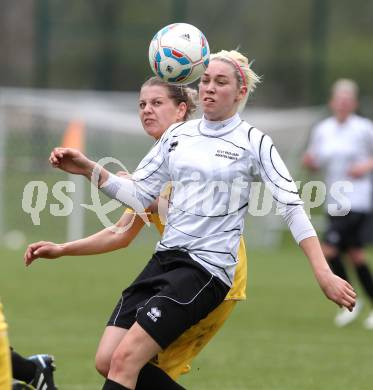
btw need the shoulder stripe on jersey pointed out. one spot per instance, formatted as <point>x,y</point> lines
<point>249,132</point>
<point>261,163</point>
<point>209,216</point>
<point>151,173</point>
<point>153,146</point>
<point>176,127</point>
<point>156,143</point>
<point>273,165</point>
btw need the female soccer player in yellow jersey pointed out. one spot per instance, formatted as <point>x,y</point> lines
<point>5,369</point>
<point>160,105</point>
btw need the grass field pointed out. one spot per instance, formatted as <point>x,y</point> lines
<point>281,338</point>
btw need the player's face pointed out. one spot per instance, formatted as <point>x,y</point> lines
<point>219,92</point>
<point>343,104</point>
<point>158,111</point>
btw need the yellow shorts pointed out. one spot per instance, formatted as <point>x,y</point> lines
<point>5,368</point>
<point>176,358</point>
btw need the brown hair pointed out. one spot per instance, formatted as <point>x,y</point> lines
<point>178,93</point>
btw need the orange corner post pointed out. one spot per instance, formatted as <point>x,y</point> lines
<point>74,136</point>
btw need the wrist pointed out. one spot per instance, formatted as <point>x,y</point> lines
<point>90,172</point>
<point>323,273</point>
<point>63,249</point>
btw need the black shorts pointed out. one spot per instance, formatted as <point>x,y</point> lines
<point>171,294</point>
<point>347,232</point>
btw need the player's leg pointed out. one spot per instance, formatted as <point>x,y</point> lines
<point>124,316</point>
<point>332,245</point>
<point>358,258</point>
<point>347,234</point>
<point>357,253</point>
<point>189,293</point>
<point>334,258</point>
<point>132,353</point>
<point>23,368</point>
<point>129,365</point>
<point>110,340</point>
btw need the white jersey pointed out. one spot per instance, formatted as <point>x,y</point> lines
<point>336,147</point>
<point>211,171</point>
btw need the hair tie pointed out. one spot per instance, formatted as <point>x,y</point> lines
<point>237,66</point>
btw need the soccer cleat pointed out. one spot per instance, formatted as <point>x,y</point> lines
<point>43,379</point>
<point>368,322</point>
<point>19,385</point>
<point>344,317</point>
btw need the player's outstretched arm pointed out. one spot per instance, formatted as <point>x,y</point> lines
<point>335,288</point>
<point>106,240</point>
<point>74,161</point>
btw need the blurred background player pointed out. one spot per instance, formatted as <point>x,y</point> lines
<point>342,145</point>
<point>160,105</point>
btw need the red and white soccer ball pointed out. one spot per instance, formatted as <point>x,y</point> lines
<point>179,53</point>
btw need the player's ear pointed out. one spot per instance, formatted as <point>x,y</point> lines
<point>243,91</point>
<point>181,111</point>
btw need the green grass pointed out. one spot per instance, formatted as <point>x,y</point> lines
<point>281,338</point>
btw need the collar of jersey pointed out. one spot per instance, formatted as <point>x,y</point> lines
<point>218,128</point>
<point>347,123</point>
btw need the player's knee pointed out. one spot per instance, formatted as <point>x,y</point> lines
<point>329,251</point>
<point>124,361</point>
<point>356,256</point>
<point>102,363</point>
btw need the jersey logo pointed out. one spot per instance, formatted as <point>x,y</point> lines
<point>154,314</point>
<point>173,146</point>
<point>227,154</point>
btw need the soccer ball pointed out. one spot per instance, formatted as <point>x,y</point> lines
<point>179,53</point>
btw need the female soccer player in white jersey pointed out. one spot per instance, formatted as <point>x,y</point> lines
<point>342,145</point>
<point>160,105</point>
<point>211,163</point>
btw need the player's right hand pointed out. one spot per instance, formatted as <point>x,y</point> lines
<point>42,249</point>
<point>71,160</point>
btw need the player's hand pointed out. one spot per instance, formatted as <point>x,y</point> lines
<point>42,249</point>
<point>309,162</point>
<point>337,290</point>
<point>72,161</point>
<point>359,169</point>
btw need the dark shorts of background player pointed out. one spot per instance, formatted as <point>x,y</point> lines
<point>171,294</point>
<point>348,231</point>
